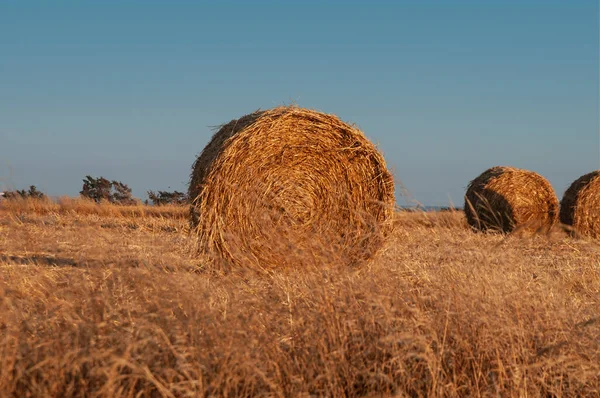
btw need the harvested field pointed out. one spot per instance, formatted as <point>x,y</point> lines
<point>118,305</point>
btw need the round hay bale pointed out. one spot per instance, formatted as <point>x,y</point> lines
<point>504,198</point>
<point>282,186</point>
<point>580,205</point>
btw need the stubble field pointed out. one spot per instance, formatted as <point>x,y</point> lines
<point>101,300</point>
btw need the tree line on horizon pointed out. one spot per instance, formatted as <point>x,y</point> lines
<point>100,189</point>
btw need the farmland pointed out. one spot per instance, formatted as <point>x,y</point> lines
<point>106,300</point>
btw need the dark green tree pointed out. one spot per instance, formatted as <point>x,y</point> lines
<point>101,189</point>
<point>165,198</point>
<point>121,194</point>
<point>32,193</point>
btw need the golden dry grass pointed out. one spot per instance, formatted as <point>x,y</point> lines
<point>116,305</point>
<point>82,206</point>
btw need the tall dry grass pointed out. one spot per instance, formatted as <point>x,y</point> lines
<point>441,311</point>
<point>82,206</point>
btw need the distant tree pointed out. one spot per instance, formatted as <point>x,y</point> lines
<point>97,189</point>
<point>122,194</point>
<point>166,198</point>
<point>32,193</point>
<point>100,189</point>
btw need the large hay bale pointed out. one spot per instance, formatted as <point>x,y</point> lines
<point>503,198</point>
<point>580,205</point>
<point>277,187</point>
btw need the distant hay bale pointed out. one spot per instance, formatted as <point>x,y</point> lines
<point>275,187</point>
<point>580,205</point>
<point>503,198</point>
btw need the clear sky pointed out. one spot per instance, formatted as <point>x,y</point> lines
<point>130,90</point>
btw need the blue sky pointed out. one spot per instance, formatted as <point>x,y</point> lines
<point>130,90</point>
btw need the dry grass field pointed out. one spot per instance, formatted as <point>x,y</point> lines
<point>100,300</point>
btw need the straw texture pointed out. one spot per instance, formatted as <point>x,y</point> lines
<point>505,198</point>
<point>580,205</point>
<point>277,187</point>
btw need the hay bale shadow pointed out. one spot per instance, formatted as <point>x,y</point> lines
<point>39,260</point>
<point>490,212</point>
